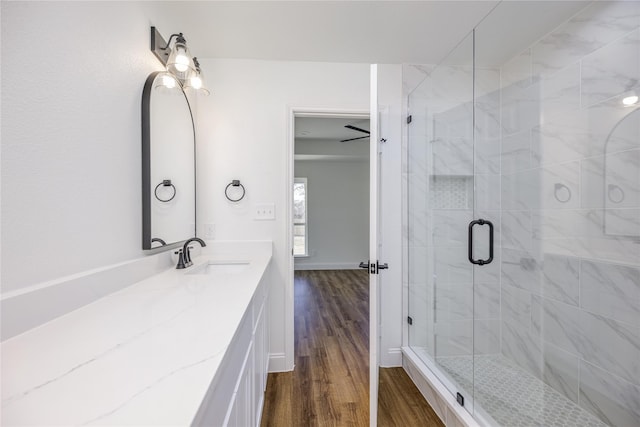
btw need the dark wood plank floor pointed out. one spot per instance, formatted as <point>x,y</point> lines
<point>330,383</point>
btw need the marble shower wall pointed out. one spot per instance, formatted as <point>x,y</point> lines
<point>570,200</point>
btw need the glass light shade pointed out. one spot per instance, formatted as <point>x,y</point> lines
<point>195,82</point>
<point>167,83</point>
<point>180,62</point>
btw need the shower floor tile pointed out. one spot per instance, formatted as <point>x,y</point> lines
<point>512,396</point>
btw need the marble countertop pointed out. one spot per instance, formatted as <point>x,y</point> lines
<point>142,356</point>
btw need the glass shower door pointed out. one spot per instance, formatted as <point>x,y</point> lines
<point>440,208</point>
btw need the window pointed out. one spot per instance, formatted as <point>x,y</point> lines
<point>300,241</point>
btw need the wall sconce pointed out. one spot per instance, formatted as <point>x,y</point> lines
<point>178,61</point>
<point>196,80</point>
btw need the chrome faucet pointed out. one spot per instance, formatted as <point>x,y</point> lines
<point>184,260</point>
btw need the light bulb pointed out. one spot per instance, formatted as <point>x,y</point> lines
<point>168,82</point>
<point>182,62</point>
<point>196,82</point>
<point>630,100</point>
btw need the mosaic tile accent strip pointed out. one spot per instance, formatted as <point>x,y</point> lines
<point>514,397</point>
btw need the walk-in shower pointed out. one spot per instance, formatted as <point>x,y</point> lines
<point>525,141</point>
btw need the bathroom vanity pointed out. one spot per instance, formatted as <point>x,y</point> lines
<point>184,347</point>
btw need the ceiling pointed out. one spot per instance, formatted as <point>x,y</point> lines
<point>321,128</point>
<point>393,32</point>
<point>327,31</point>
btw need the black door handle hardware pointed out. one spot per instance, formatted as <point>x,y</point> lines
<point>471,225</point>
<point>364,265</point>
<point>382,266</point>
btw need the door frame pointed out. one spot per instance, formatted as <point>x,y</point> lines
<point>293,112</point>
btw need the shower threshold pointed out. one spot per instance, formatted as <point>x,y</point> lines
<point>512,396</point>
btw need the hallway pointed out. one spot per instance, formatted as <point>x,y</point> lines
<point>330,383</point>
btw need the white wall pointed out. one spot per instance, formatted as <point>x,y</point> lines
<point>72,79</point>
<point>243,131</point>
<point>337,213</point>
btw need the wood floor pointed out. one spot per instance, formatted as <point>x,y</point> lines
<point>330,383</point>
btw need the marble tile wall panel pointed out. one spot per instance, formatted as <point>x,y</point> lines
<point>611,290</point>
<point>489,273</point>
<point>450,227</point>
<point>610,345</point>
<point>418,223</point>
<point>523,346</point>
<point>592,182</point>
<point>522,270</point>
<point>516,152</point>
<point>413,75</point>
<point>452,156</point>
<point>595,26</point>
<point>561,370</point>
<point>622,222</point>
<point>451,265</point>
<point>612,70</point>
<point>558,324</point>
<point>418,265</point>
<point>621,179</point>
<point>521,191</point>
<point>562,279</point>
<point>486,336</point>
<point>520,108</point>
<point>559,142</point>
<point>487,155</point>
<point>486,302</point>
<point>487,115</point>
<point>454,338</point>
<point>516,306</point>
<point>518,71</point>
<point>560,187</point>
<point>560,94</point>
<point>517,230</point>
<point>487,192</point>
<point>453,301</point>
<point>610,398</point>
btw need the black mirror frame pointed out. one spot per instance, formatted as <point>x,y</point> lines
<point>146,163</point>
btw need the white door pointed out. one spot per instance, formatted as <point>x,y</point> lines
<point>374,264</point>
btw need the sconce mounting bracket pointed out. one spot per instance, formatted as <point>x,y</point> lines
<point>158,46</point>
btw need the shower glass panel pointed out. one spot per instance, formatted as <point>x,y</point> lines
<point>542,139</point>
<point>440,197</point>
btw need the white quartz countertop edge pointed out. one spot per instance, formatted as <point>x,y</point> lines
<point>144,355</point>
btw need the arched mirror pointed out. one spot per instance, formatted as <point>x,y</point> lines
<point>168,163</point>
<point>622,176</point>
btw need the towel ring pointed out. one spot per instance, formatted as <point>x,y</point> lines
<point>234,183</point>
<point>557,189</point>
<point>165,183</point>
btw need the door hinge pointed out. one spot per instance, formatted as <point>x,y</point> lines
<point>460,399</point>
<point>409,118</point>
<point>409,320</point>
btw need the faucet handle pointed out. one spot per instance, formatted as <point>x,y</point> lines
<point>181,258</point>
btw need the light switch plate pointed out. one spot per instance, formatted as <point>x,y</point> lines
<point>264,212</point>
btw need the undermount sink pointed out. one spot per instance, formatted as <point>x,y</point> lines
<point>221,268</point>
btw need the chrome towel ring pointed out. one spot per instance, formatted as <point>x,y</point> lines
<point>165,183</point>
<point>232,184</point>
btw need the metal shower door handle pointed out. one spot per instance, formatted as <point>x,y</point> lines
<point>471,225</point>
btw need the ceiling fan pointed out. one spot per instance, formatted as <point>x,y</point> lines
<point>356,129</point>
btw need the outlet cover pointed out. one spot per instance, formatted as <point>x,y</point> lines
<point>264,212</point>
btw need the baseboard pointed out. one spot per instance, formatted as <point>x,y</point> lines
<point>327,266</point>
<point>392,358</point>
<point>278,363</point>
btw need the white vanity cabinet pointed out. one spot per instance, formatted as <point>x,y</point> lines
<point>236,395</point>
